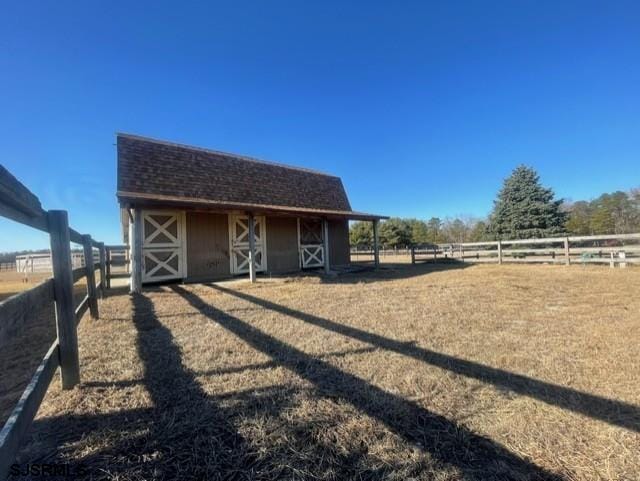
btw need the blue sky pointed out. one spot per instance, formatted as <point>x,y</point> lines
<point>421,107</point>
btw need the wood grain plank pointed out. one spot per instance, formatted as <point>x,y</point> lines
<point>25,411</point>
<point>15,310</point>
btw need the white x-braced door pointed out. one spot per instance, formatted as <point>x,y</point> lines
<point>163,245</point>
<point>311,243</point>
<point>239,243</point>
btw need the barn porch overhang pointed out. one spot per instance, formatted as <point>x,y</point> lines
<point>131,199</point>
<point>134,205</point>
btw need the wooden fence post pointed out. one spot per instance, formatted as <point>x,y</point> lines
<point>567,258</point>
<point>622,255</point>
<point>91,276</point>
<point>500,252</point>
<point>63,292</point>
<point>413,255</point>
<point>103,268</point>
<point>108,276</point>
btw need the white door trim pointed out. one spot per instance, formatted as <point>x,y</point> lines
<point>311,254</point>
<point>236,247</point>
<point>176,244</point>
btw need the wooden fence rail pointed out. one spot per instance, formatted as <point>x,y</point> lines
<point>357,253</point>
<point>17,203</point>
<point>615,249</point>
<point>116,256</point>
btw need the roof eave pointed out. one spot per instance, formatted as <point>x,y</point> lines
<point>133,198</point>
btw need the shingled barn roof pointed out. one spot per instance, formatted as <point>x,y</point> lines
<point>156,171</point>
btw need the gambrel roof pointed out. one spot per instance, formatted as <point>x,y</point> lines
<point>153,170</point>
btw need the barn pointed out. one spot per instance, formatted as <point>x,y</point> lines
<point>193,214</point>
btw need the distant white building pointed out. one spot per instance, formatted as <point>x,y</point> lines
<point>42,262</point>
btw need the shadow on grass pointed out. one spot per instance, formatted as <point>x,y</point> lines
<point>186,423</point>
<point>610,411</point>
<point>225,371</point>
<point>449,444</point>
<point>186,434</point>
<point>365,273</point>
<point>116,291</point>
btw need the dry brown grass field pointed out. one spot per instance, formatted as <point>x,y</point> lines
<point>21,354</point>
<point>12,282</point>
<point>413,372</point>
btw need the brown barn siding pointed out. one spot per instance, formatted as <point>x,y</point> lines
<point>207,246</point>
<point>282,244</point>
<point>339,242</point>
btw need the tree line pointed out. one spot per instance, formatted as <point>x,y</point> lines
<point>523,209</point>
<point>10,257</point>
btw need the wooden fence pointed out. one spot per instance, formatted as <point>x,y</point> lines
<point>614,250</point>
<point>19,204</point>
<point>363,253</point>
<point>117,257</point>
<point>7,266</point>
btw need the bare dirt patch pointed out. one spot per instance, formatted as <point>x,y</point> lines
<point>484,372</point>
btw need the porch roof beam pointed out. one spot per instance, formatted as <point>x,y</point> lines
<point>129,200</point>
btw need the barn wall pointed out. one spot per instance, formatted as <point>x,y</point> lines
<point>339,242</point>
<point>282,244</point>
<point>207,246</point>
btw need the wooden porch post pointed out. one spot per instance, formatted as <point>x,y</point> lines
<point>299,246</point>
<point>376,253</point>
<point>135,242</point>
<point>252,248</point>
<point>325,241</point>
<point>63,293</point>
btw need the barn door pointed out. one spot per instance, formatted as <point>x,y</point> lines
<point>239,243</point>
<point>311,243</point>
<point>163,246</point>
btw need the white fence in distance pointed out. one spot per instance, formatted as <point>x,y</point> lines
<point>28,263</point>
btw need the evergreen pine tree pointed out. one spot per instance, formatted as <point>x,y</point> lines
<point>395,232</point>
<point>525,209</point>
<point>361,234</point>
